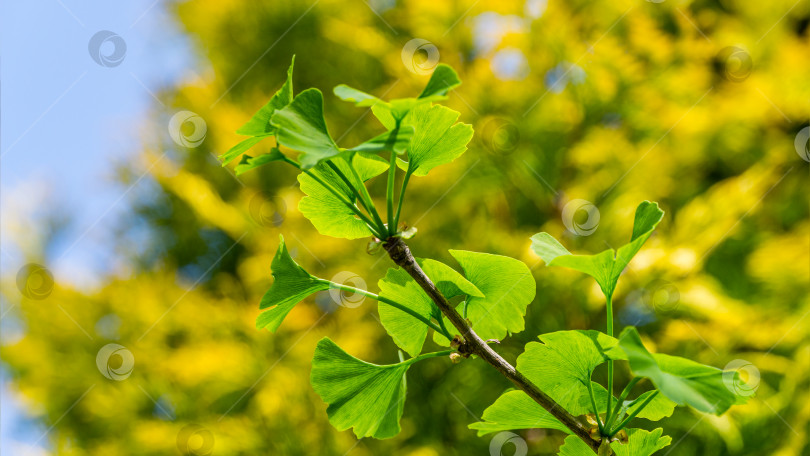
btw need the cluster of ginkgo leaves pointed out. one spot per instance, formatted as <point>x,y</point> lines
<point>491,291</point>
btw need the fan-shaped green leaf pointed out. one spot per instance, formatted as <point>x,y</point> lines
<point>563,364</point>
<point>658,408</point>
<point>516,410</point>
<point>681,380</point>
<point>239,149</point>
<point>408,332</point>
<point>302,127</point>
<point>291,284</point>
<point>259,124</point>
<point>607,266</point>
<point>364,396</point>
<point>397,140</point>
<point>437,140</point>
<point>358,97</point>
<point>508,287</point>
<point>325,210</point>
<point>449,281</point>
<point>639,443</point>
<point>247,163</point>
<point>443,80</point>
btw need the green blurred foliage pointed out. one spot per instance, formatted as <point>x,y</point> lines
<point>610,102</point>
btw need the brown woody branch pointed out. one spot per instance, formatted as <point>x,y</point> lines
<point>472,344</point>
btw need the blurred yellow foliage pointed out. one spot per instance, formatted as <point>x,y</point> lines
<point>613,103</point>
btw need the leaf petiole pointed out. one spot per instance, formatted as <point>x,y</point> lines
<point>391,303</point>
<point>339,196</point>
<point>627,420</point>
<point>595,410</point>
<point>609,304</point>
<point>402,193</point>
<point>365,198</point>
<point>615,413</point>
<point>389,194</point>
<point>428,356</point>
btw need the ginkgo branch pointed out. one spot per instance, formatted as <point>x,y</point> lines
<point>473,344</point>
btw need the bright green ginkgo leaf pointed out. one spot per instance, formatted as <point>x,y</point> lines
<point>449,281</point>
<point>408,332</point>
<point>437,140</point>
<point>658,408</point>
<point>443,80</point>
<point>516,410</point>
<point>248,163</point>
<point>291,284</point>
<point>639,443</point>
<point>508,287</point>
<point>397,140</point>
<point>364,396</point>
<point>239,149</point>
<point>607,266</point>
<point>325,210</point>
<point>563,364</point>
<point>302,127</point>
<point>259,124</point>
<point>683,381</point>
